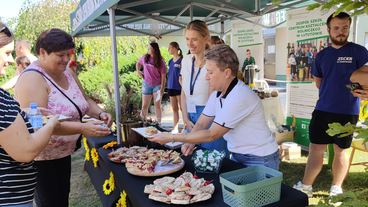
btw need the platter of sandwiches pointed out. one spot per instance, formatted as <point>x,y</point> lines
<point>185,189</point>
<point>142,161</point>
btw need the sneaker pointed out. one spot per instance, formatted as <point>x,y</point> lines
<point>335,190</point>
<point>307,189</point>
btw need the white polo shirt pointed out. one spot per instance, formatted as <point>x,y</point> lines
<point>200,92</point>
<point>240,110</point>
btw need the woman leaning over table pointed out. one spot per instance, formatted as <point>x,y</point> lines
<point>18,144</point>
<point>195,88</point>
<point>50,84</point>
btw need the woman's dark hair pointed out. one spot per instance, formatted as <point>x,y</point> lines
<point>157,58</point>
<point>6,36</point>
<point>23,60</point>
<point>176,46</point>
<point>54,40</point>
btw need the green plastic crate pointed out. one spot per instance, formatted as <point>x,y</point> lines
<point>251,186</point>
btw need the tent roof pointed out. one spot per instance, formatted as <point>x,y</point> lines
<point>160,17</point>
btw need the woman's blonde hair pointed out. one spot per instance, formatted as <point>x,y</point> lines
<point>199,26</point>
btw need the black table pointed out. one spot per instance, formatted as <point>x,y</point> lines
<point>134,185</point>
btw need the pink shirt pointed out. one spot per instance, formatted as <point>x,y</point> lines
<point>62,146</point>
<point>152,75</point>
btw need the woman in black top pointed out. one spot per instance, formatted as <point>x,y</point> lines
<point>18,147</point>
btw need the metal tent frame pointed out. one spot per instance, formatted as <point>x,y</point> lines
<point>117,17</point>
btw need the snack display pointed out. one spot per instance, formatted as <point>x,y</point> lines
<point>142,161</point>
<point>151,131</point>
<point>146,132</point>
<point>207,160</point>
<point>185,189</point>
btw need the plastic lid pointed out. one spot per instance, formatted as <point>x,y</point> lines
<point>33,105</point>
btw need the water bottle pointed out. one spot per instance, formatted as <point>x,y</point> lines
<point>35,116</point>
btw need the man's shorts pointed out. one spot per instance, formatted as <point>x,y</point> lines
<point>147,89</point>
<point>319,124</point>
<point>173,92</point>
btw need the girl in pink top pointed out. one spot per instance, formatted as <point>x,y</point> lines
<point>152,68</point>
<point>36,84</point>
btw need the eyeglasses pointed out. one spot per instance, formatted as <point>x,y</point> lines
<point>6,31</point>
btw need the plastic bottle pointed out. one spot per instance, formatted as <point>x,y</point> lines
<point>35,116</point>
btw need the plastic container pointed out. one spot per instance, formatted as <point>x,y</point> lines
<point>208,161</point>
<point>35,116</point>
<point>252,186</point>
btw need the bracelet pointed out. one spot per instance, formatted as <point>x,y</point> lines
<point>173,138</point>
<point>99,115</point>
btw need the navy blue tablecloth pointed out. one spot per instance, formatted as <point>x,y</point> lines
<point>134,185</point>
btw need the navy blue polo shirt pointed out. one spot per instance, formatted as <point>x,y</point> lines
<point>335,67</point>
<point>173,74</point>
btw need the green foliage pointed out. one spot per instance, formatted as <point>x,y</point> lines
<point>348,129</point>
<point>354,7</point>
<point>37,16</point>
<point>10,72</point>
<point>130,97</point>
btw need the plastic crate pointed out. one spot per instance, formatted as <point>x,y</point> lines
<point>252,186</point>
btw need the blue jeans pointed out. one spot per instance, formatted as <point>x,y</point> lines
<point>30,204</point>
<point>147,89</point>
<point>219,144</point>
<point>271,161</point>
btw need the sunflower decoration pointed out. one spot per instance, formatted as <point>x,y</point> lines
<point>122,200</point>
<point>110,144</point>
<point>363,113</point>
<point>87,156</point>
<point>109,185</point>
<point>94,155</point>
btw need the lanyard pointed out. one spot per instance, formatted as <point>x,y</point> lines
<point>192,83</point>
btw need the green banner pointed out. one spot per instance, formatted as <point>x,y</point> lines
<point>301,131</point>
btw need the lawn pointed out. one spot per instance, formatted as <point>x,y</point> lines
<point>83,194</point>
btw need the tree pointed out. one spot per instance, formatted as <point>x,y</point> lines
<point>38,16</point>
<point>356,7</point>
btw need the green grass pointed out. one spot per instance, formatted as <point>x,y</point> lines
<point>355,186</point>
<point>82,192</point>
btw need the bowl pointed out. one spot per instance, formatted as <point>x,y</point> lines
<point>207,161</point>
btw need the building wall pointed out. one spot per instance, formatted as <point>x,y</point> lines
<point>362,30</point>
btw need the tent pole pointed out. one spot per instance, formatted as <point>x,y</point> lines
<point>116,73</point>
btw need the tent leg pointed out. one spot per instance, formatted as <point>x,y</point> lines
<point>116,72</point>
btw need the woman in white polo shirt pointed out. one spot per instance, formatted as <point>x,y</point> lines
<point>235,112</point>
<point>195,88</point>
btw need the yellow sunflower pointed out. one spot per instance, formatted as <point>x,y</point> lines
<point>94,155</point>
<point>112,181</point>
<point>107,188</point>
<point>122,201</point>
<point>363,115</point>
<point>109,185</point>
<point>110,144</point>
<point>87,156</point>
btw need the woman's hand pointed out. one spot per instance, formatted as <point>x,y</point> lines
<point>161,138</point>
<point>187,149</point>
<point>95,129</point>
<point>188,124</point>
<point>53,122</point>
<point>106,118</point>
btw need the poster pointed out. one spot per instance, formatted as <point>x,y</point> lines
<point>307,35</point>
<point>247,42</point>
<point>301,99</point>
